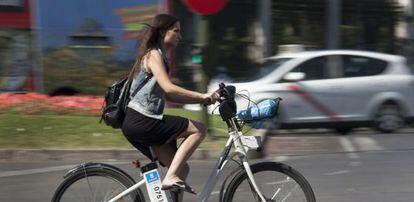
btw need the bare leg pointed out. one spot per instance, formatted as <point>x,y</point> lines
<point>195,133</point>
<point>165,154</point>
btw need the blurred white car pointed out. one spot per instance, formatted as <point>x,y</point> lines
<point>338,89</point>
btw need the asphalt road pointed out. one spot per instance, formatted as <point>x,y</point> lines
<point>363,166</point>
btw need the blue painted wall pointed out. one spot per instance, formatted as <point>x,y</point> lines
<point>58,19</point>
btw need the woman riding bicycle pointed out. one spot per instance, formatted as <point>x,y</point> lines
<point>145,124</point>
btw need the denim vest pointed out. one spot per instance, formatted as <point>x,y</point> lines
<point>150,99</point>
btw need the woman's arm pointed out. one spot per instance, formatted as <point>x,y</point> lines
<point>154,62</point>
<point>183,100</point>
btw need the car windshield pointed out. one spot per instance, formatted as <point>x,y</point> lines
<point>266,68</point>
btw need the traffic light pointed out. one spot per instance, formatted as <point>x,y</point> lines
<point>197,54</point>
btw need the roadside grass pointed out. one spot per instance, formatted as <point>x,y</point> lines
<point>66,131</point>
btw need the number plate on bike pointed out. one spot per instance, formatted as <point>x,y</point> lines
<point>154,186</point>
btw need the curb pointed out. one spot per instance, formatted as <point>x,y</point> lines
<point>25,155</point>
<point>84,155</point>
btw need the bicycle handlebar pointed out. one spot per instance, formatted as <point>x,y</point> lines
<point>227,106</point>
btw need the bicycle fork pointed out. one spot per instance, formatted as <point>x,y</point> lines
<point>240,149</point>
<point>252,182</point>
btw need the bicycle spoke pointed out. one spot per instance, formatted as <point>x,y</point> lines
<point>276,192</point>
<point>255,195</point>
<point>275,184</point>
<point>87,180</point>
<point>289,193</point>
<point>95,189</point>
<point>95,182</point>
<point>280,182</point>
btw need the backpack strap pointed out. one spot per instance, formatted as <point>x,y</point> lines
<point>147,78</point>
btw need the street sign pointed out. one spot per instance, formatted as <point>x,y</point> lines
<point>206,7</point>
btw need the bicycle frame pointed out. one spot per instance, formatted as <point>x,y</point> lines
<point>235,136</point>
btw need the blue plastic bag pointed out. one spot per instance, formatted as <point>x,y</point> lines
<point>256,115</point>
<point>265,109</point>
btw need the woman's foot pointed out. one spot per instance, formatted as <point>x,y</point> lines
<point>177,186</point>
<point>171,179</point>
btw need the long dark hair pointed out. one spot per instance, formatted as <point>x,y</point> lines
<point>151,38</point>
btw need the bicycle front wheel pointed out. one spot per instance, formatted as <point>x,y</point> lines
<point>276,181</point>
<point>93,184</point>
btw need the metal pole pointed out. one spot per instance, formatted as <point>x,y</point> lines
<point>37,60</point>
<point>410,34</point>
<point>265,19</point>
<point>333,21</point>
<point>201,40</point>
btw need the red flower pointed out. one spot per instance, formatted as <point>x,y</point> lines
<point>35,103</point>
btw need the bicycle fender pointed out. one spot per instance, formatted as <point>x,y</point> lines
<point>93,165</point>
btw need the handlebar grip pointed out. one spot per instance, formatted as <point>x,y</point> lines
<point>222,86</point>
<point>209,102</point>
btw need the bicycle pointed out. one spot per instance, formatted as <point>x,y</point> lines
<point>263,181</point>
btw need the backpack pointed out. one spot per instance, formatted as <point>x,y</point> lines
<point>115,102</point>
<point>117,97</point>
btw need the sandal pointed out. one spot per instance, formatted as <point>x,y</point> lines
<point>179,186</point>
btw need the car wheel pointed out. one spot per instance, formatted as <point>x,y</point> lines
<point>343,130</point>
<point>389,118</point>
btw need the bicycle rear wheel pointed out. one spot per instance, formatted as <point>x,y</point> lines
<point>93,184</point>
<point>276,181</point>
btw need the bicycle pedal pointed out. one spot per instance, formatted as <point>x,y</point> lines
<point>175,190</point>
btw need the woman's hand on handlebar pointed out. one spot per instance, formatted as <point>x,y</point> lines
<point>210,98</point>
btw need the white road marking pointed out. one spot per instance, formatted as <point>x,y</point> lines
<point>367,144</point>
<point>34,171</point>
<point>42,170</point>
<point>348,147</point>
<point>215,192</point>
<point>338,172</point>
<point>280,158</point>
<point>355,163</point>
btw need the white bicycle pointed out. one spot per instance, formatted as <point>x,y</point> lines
<point>264,181</point>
